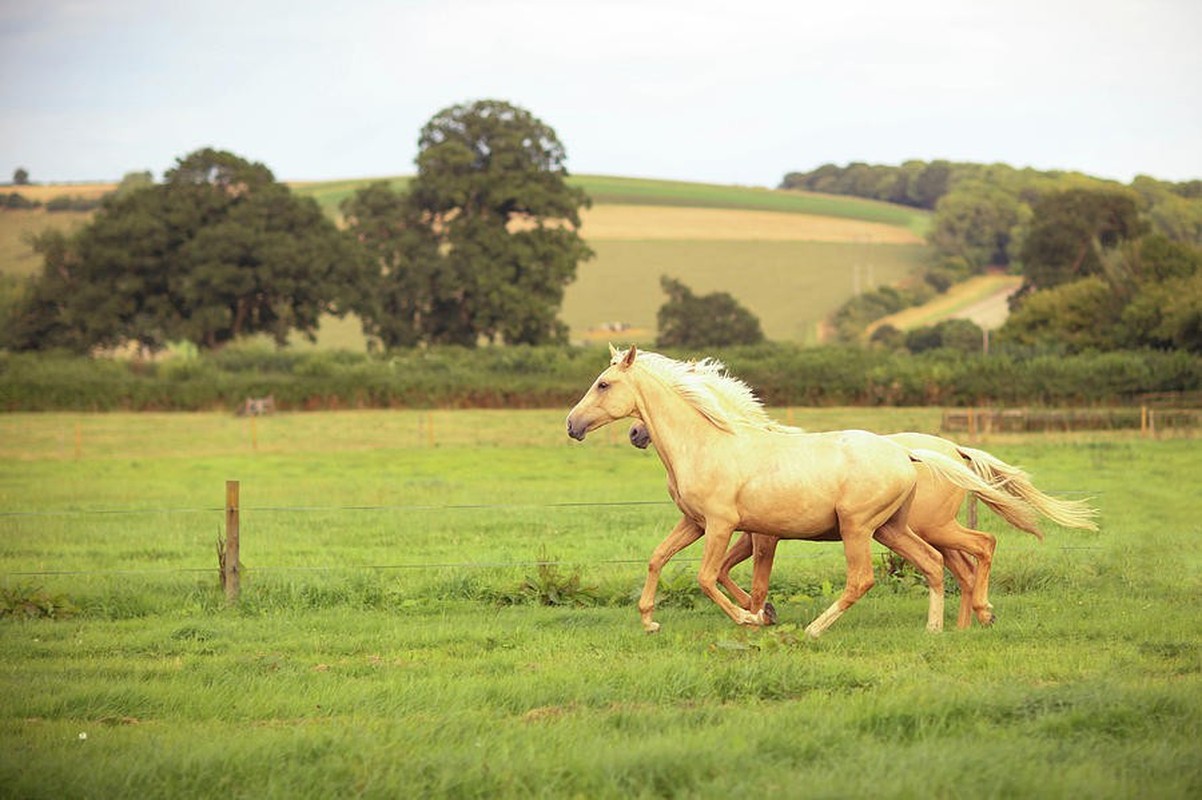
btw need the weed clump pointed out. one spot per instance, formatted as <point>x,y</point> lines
<point>33,602</point>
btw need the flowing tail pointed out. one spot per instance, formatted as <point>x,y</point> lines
<point>1011,507</point>
<point>1014,481</point>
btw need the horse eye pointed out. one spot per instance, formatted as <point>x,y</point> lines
<point>602,385</point>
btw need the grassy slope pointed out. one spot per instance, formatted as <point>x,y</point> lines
<point>981,299</point>
<point>790,286</point>
<point>335,678</point>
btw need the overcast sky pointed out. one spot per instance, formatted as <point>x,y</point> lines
<point>727,92</point>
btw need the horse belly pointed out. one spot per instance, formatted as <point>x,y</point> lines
<point>789,519</point>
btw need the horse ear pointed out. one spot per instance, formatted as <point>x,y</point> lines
<point>613,351</point>
<point>629,359</point>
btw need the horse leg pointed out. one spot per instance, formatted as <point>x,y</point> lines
<point>764,549</point>
<point>684,534</point>
<point>961,567</point>
<point>906,544</point>
<point>740,551</point>
<point>857,549</point>
<point>717,537</point>
<point>951,535</point>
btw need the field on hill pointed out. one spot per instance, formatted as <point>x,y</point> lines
<point>790,257</point>
<point>982,299</point>
<point>790,285</point>
<point>441,605</point>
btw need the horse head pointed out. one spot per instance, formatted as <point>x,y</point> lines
<point>611,397</point>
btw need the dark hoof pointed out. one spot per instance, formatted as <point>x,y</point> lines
<point>769,614</point>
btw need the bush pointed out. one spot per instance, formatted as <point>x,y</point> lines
<point>17,202</point>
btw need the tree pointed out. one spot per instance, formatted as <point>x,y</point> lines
<point>953,334</point>
<point>219,250</point>
<point>1070,233</point>
<point>401,271</point>
<point>133,181</point>
<point>1075,316</point>
<point>975,222</point>
<point>491,185</point>
<point>711,320</point>
<point>20,176</point>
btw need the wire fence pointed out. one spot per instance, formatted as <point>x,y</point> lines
<point>385,507</point>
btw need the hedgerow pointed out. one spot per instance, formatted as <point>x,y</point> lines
<point>541,377</point>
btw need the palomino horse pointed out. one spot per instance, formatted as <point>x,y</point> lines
<point>726,474</point>
<point>932,518</point>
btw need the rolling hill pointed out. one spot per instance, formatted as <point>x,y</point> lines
<point>790,257</point>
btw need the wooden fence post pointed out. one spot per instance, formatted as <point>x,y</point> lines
<point>231,570</point>
<point>972,511</point>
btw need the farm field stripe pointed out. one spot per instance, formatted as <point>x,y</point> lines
<point>619,222</point>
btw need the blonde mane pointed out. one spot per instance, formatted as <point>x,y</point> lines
<point>727,402</point>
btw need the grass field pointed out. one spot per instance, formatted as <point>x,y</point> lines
<point>790,285</point>
<point>611,190</point>
<point>386,645</point>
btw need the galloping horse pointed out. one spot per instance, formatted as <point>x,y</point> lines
<point>726,473</point>
<point>932,518</point>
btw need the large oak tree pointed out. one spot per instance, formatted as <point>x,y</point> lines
<point>484,242</point>
<point>217,251</point>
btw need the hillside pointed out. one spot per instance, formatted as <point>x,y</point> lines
<point>982,299</point>
<point>791,257</point>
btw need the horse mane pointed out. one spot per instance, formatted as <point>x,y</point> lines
<point>726,401</point>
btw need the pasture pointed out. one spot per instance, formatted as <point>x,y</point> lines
<point>792,286</point>
<point>397,635</point>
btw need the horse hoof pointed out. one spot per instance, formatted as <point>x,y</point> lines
<point>989,620</point>
<point>769,614</point>
<point>651,627</point>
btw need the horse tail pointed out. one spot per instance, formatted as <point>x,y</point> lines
<point>1012,479</point>
<point>1011,507</point>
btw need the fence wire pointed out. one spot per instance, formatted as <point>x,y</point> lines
<point>520,564</point>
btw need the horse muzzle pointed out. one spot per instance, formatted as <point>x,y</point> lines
<point>577,430</point>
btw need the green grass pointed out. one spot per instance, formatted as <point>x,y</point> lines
<point>790,286</point>
<point>368,657</point>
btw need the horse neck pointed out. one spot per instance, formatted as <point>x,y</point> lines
<point>680,432</point>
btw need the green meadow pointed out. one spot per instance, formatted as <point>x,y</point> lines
<point>442,604</point>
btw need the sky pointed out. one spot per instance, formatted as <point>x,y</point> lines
<point>733,92</point>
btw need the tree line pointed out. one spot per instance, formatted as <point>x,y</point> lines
<point>1104,265</point>
<point>479,249</point>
